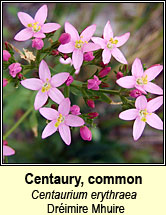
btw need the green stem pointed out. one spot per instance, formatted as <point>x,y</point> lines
<point>115,92</point>
<point>18,123</point>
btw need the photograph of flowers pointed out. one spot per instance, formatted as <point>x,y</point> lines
<point>83,83</point>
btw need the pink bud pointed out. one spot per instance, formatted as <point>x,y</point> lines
<point>55,52</point>
<point>93,115</point>
<point>88,56</point>
<point>104,85</point>
<point>149,99</point>
<point>19,75</point>
<point>6,55</point>
<point>94,83</point>
<point>135,93</point>
<point>64,38</point>
<point>90,103</point>
<point>104,72</point>
<point>85,133</point>
<point>69,80</point>
<point>75,110</point>
<point>53,106</point>
<point>5,142</point>
<point>119,75</point>
<point>65,56</point>
<point>102,64</point>
<point>5,82</point>
<point>14,69</point>
<point>37,43</point>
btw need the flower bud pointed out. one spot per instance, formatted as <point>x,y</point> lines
<point>104,85</point>
<point>5,82</point>
<point>37,43</point>
<point>55,52</point>
<point>65,56</point>
<point>88,56</point>
<point>19,75</point>
<point>64,38</point>
<point>102,64</point>
<point>5,142</point>
<point>104,72</point>
<point>119,75</point>
<point>135,93</point>
<point>85,133</point>
<point>6,55</point>
<point>149,99</point>
<point>93,115</point>
<point>90,103</point>
<point>75,110</point>
<point>14,68</point>
<point>94,83</point>
<point>53,106</point>
<point>69,80</point>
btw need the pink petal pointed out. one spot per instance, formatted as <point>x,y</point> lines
<point>65,133</point>
<point>137,69</point>
<point>70,29</point>
<point>122,39</point>
<point>44,72</point>
<point>25,18</point>
<point>106,56</point>
<point>129,114</point>
<point>126,82</point>
<point>49,27</point>
<point>108,33</point>
<point>67,48</point>
<point>99,41</point>
<point>154,104</point>
<point>74,121</point>
<point>154,121</point>
<point>39,35</point>
<point>56,95</point>
<point>141,103</point>
<point>24,35</point>
<point>58,79</point>
<point>49,129</point>
<point>119,56</point>
<point>153,72</point>
<point>41,14</point>
<point>153,88</point>
<point>32,83</point>
<point>7,151</point>
<point>64,107</point>
<point>88,33</point>
<point>90,47</point>
<point>40,99</point>
<point>77,58</point>
<point>138,128</point>
<point>141,88</point>
<point>49,113</point>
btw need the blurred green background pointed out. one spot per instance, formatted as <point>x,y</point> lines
<point>112,137</point>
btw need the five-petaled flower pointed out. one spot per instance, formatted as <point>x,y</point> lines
<point>60,120</point>
<point>35,27</point>
<point>46,86</point>
<point>140,79</point>
<point>110,44</point>
<point>79,44</point>
<point>142,114</point>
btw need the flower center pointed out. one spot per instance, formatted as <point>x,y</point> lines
<point>111,43</point>
<point>35,26</point>
<point>46,86</point>
<point>79,44</point>
<point>143,114</point>
<point>143,80</point>
<point>60,120</point>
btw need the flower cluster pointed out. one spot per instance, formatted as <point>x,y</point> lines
<point>78,50</point>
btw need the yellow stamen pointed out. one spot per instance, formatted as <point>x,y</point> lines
<point>79,43</point>
<point>59,120</point>
<point>143,114</point>
<point>143,80</point>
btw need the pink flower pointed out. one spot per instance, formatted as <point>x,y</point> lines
<point>78,44</point>
<point>69,80</point>
<point>135,93</point>
<point>60,120</point>
<point>110,44</point>
<point>64,38</point>
<point>90,103</point>
<point>5,82</point>
<point>35,27</point>
<point>14,68</point>
<point>142,114</point>
<point>6,55</point>
<point>37,43</point>
<point>88,56</point>
<point>75,110</point>
<point>94,83</point>
<point>7,150</point>
<point>46,86</point>
<point>103,72</point>
<point>140,79</point>
<point>85,133</point>
<point>119,75</point>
